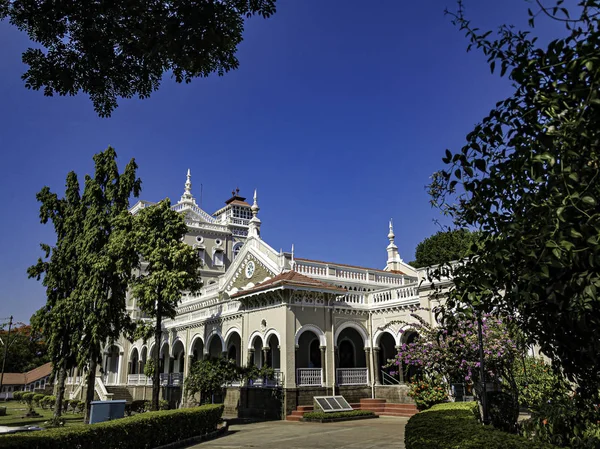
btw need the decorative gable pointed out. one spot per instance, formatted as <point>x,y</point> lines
<point>249,273</point>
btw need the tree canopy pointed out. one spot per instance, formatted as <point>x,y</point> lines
<point>87,272</point>
<point>168,267</point>
<point>27,349</point>
<point>444,247</point>
<point>122,49</point>
<point>528,179</point>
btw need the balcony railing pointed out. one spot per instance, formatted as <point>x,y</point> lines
<point>352,376</point>
<point>171,379</point>
<point>275,382</point>
<point>110,378</point>
<point>309,377</point>
<point>138,379</point>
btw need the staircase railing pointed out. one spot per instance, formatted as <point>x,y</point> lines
<point>101,390</point>
<point>388,379</point>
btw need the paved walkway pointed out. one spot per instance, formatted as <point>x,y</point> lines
<point>384,432</point>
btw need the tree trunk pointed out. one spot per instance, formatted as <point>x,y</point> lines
<point>60,392</point>
<point>91,387</point>
<point>156,358</point>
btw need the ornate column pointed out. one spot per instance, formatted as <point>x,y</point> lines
<point>376,367</point>
<point>400,367</point>
<point>265,351</point>
<point>369,370</point>
<point>250,357</point>
<point>323,364</point>
<point>140,367</point>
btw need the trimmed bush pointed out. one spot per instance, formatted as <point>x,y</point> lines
<point>28,398</point>
<point>48,402</point>
<point>453,425</point>
<point>323,415</point>
<point>37,398</point>
<point>18,395</point>
<point>143,431</point>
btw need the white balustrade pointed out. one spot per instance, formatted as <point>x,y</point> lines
<point>110,378</point>
<point>137,379</point>
<point>164,379</point>
<point>395,294</point>
<point>176,379</point>
<point>352,376</point>
<point>309,376</point>
<point>69,380</point>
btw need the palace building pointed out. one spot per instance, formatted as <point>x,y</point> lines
<point>324,327</point>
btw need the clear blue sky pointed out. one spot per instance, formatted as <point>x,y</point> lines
<point>338,115</point>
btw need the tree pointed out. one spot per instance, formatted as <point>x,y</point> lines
<point>58,319</point>
<point>168,267</point>
<point>106,256</point>
<point>27,349</point>
<point>122,49</point>
<point>444,247</point>
<point>527,179</point>
<point>209,376</point>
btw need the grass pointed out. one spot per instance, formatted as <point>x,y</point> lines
<point>15,416</point>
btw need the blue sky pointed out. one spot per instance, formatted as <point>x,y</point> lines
<point>338,115</point>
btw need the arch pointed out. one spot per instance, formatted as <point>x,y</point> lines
<point>379,334</point>
<point>194,340</point>
<point>230,331</point>
<point>405,332</point>
<point>134,348</point>
<point>252,337</point>
<point>270,333</point>
<point>110,345</point>
<point>311,327</point>
<point>237,248</point>
<point>354,325</point>
<point>209,338</point>
<point>175,342</point>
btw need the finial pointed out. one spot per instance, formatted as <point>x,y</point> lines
<point>237,190</point>
<point>187,194</point>
<point>233,193</point>
<point>391,235</point>
<point>255,207</point>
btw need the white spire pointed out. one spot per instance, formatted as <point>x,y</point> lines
<point>187,194</point>
<point>254,225</point>
<point>255,207</point>
<point>392,250</point>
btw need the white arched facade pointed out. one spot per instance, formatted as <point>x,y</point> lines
<point>255,334</point>
<point>379,334</point>
<point>195,338</point>
<point>214,334</point>
<point>311,327</point>
<point>353,325</point>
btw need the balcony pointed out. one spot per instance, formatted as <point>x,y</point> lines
<point>309,377</point>
<point>352,376</point>
<point>277,380</point>
<point>171,379</point>
<point>138,379</point>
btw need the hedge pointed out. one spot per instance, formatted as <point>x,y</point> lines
<point>143,431</point>
<point>453,425</point>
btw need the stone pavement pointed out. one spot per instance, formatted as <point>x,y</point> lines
<point>384,432</point>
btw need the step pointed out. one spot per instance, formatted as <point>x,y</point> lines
<point>392,407</point>
<point>372,401</point>
<point>399,414</point>
<point>297,413</point>
<point>293,418</point>
<point>305,408</point>
<point>355,405</point>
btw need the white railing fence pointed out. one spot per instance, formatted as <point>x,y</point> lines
<point>352,376</point>
<point>309,376</point>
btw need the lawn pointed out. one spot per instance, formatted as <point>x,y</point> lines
<point>15,416</point>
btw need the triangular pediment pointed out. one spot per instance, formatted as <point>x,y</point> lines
<point>256,263</point>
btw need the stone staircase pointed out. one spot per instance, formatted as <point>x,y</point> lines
<point>120,393</point>
<point>378,406</point>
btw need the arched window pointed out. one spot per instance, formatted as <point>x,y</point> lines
<point>236,249</point>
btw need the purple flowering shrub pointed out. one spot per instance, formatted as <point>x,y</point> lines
<point>452,351</point>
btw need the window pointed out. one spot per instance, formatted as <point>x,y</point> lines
<point>218,259</point>
<point>201,255</point>
<point>236,249</point>
<point>199,239</point>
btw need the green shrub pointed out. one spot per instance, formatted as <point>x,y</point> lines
<point>2,411</point>
<point>47,402</point>
<point>163,404</point>
<point>37,399</point>
<point>503,411</point>
<point>80,406</point>
<point>138,406</point>
<point>323,415</point>
<point>18,395</point>
<point>427,393</point>
<point>453,425</point>
<point>144,431</point>
<point>73,404</point>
